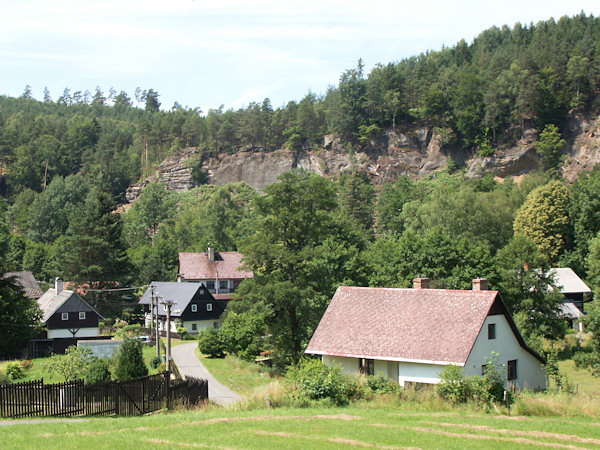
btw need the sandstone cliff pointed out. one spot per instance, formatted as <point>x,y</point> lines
<point>415,154</point>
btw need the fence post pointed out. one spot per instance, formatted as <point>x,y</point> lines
<point>117,397</point>
<point>168,388</point>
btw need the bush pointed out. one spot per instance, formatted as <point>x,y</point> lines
<point>210,343</point>
<point>155,362</point>
<point>97,371</point>
<point>128,331</point>
<point>313,380</point>
<point>130,360</point>
<point>183,332</point>
<point>14,371</point>
<point>26,364</point>
<point>379,384</point>
<point>453,386</point>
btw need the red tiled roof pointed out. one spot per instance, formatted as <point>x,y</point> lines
<point>402,324</point>
<point>227,265</point>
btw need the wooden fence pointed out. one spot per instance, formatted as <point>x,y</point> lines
<point>133,397</point>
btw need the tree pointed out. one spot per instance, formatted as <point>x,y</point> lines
<point>72,365</point>
<point>544,218</point>
<point>549,147</point>
<point>19,315</point>
<point>130,360</point>
<point>285,251</point>
<point>528,290</point>
<point>151,99</point>
<point>154,206</point>
<point>357,197</point>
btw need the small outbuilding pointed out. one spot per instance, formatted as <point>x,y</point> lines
<point>411,335</point>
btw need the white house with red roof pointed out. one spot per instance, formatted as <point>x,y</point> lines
<point>411,335</point>
<point>219,272</point>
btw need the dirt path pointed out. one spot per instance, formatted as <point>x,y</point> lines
<point>188,365</point>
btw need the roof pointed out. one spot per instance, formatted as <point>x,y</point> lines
<point>568,310</point>
<point>180,293</point>
<point>65,301</point>
<point>435,326</point>
<point>27,281</point>
<point>567,281</point>
<point>227,265</point>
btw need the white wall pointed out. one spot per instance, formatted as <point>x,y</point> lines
<point>200,325</point>
<point>82,332</point>
<point>530,373</point>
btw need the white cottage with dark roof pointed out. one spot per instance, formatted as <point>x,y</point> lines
<point>411,335</point>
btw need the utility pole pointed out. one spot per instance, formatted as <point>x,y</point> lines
<point>157,329</point>
<point>152,310</point>
<point>168,304</point>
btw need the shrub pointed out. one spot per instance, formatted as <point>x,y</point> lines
<point>26,364</point>
<point>14,371</point>
<point>313,380</point>
<point>128,331</point>
<point>379,384</point>
<point>130,360</point>
<point>155,362</point>
<point>210,343</point>
<point>97,371</point>
<point>453,386</point>
<point>162,367</point>
<point>183,332</point>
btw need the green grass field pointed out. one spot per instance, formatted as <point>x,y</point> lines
<point>308,428</point>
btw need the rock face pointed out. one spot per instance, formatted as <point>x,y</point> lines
<point>414,154</point>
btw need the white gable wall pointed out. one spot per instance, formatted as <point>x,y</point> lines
<point>66,333</point>
<point>530,373</point>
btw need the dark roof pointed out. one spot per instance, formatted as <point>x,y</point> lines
<point>27,281</point>
<point>180,293</point>
<point>65,301</point>
<point>227,265</point>
<point>419,325</point>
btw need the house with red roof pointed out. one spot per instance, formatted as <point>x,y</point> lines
<point>411,335</point>
<point>219,272</point>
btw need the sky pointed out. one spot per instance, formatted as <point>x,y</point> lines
<point>229,52</point>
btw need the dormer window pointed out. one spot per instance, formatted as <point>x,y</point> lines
<point>194,308</point>
<point>209,306</point>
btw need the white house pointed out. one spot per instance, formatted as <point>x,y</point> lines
<point>411,335</point>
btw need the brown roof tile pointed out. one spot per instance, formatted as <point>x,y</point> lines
<point>27,282</point>
<point>402,324</point>
<point>227,265</point>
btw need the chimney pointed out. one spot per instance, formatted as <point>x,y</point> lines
<point>210,253</point>
<point>421,283</point>
<point>480,284</point>
<point>58,285</point>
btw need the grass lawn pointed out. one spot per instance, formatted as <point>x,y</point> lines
<point>322,428</point>
<point>582,380</point>
<point>241,376</point>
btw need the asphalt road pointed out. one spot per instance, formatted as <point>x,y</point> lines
<point>188,365</point>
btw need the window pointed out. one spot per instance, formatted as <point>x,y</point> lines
<point>483,369</point>
<point>194,308</point>
<point>210,285</point>
<point>366,366</point>
<point>223,285</point>
<point>209,306</point>
<point>236,283</point>
<point>491,331</point>
<point>194,327</point>
<point>64,316</point>
<point>511,370</point>
<point>81,315</point>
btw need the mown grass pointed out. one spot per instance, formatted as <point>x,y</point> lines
<point>242,376</point>
<point>581,379</point>
<point>355,426</point>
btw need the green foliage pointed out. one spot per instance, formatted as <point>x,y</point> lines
<point>155,362</point>
<point>97,371</point>
<point>590,358</point>
<point>544,218</point>
<point>549,147</point>
<point>243,327</point>
<point>14,371</point>
<point>72,365</point>
<point>453,385</point>
<point>211,343</point>
<point>128,331</point>
<point>313,380</point>
<point>130,360</point>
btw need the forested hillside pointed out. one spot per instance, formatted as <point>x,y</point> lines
<point>65,165</point>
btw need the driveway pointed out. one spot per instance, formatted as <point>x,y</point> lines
<point>189,366</point>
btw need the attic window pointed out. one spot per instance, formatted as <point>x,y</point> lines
<point>491,331</point>
<point>64,316</point>
<point>209,306</point>
<point>81,315</point>
<point>194,308</point>
<point>511,370</point>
